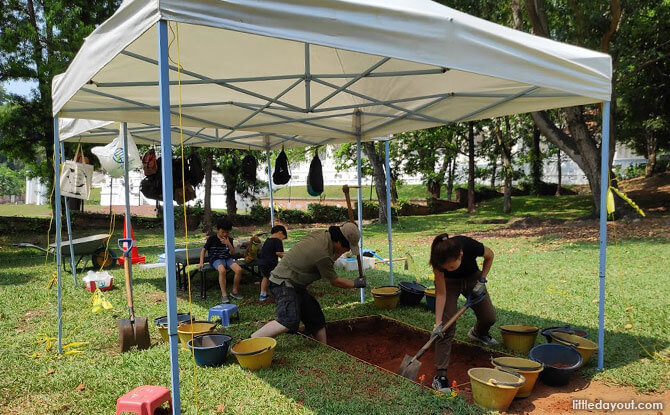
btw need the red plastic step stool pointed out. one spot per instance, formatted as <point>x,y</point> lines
<point>135,257</point>
<point>143,400</point>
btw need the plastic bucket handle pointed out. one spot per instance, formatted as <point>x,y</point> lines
<point>560,340</point>
<point>247,353</point>
<point>519,383</point>
<point>251,353</point>
<point>529,369</point>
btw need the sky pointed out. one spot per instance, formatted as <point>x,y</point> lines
<point>19,87</point>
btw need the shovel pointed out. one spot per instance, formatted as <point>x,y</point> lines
<point>410,366</point>
<point>133,331</point>
<point>345,189</point>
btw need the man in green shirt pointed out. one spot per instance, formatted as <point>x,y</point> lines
<point>310,259</point>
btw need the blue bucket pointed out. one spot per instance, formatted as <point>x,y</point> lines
<point>210,350</point>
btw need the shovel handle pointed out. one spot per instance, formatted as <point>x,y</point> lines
<point>128,246</point>
<point>129,289</point>
<point>345,189</point>
<point>433,337</point>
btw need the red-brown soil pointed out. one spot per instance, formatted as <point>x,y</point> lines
<point>384,342</point>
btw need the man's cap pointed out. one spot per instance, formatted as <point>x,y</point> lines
<point>351,233</point>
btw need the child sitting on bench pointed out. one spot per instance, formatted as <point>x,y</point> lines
<point>220,250</point>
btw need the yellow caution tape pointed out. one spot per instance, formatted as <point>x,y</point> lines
<point>627,200</point>
<point>610,201</point>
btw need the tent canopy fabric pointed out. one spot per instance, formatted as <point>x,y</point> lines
<point>299,73</point>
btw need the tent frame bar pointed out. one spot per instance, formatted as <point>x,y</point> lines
<point>307,77</point>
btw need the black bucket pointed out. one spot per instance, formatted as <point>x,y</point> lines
<point>564,329</point>
<point>560,362</point>
<point>411,293</point>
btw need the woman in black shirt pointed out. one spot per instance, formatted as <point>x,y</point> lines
<point>454,262</point>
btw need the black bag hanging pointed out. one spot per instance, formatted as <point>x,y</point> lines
<point>193,169</point>
<point>281,174</point>
<point>315,176</point>
<point>249,167</point>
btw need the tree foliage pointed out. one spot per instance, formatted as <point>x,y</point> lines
<point>38,39</point>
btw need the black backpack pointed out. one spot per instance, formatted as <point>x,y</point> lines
<point>249,167</point>
<point>281,174</point>
<point>152,186</point>
<point>315,177</point>
<point>193,170</point>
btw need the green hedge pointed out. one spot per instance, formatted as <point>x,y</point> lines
<point>327,214</point>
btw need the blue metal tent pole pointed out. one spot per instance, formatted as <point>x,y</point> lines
<point>272,204</point>
<point>126,179</point>
<point>359,194</point>
<point>604,187</point>
<point>168,209</point>
<point>360,202</point>
<point>58,230</point>
<point>69,231</point>
<point>388,207</point>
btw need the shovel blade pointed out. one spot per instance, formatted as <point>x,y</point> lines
<point>126,335</point>
<point>142,339</point>
<point>409,368</point>
<point>136,334</point>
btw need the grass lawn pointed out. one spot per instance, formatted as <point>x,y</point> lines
<point>537,279</point>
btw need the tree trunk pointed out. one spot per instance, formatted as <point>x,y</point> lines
<point>652,148</point>
<point>452,176</point>
<point>506,156</point>
<point>207,219</point>
<point>536,163</point>
<point>471,167</point>
<point>433,188</point>
<point>580,146</point>
<point>394,189</point>
<point>231,185</point>
<point>558,171</point>
<point>494,171</point>
<point>377,162</point>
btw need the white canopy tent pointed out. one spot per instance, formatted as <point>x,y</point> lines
<point>309,73</point>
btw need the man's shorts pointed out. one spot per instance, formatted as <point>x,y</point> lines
<point>225,262</point>
<point>296,304</point>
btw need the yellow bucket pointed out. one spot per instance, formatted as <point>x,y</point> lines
<point>187,330</point>
<point>161,325</point>
<point>386,297</point>
<point>585,347</point>
<point>530,369</point>
<point>519,338</point>
<point>254,353</point>
<point>493,388</point>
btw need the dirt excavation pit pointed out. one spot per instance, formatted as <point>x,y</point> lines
<point>384,342</point>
